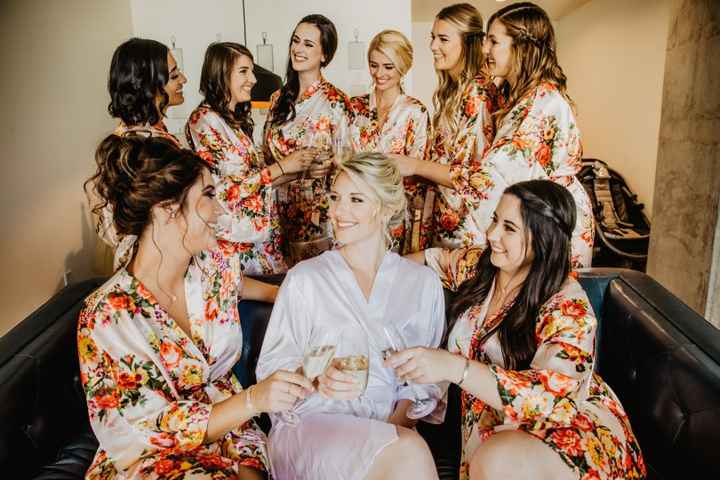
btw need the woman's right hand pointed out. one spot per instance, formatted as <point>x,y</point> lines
<point>338,385</point>
<point>280,391</point>
<point>298,161</point>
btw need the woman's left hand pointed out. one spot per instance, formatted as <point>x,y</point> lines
<point>406,165</point>
<point>423,365</point>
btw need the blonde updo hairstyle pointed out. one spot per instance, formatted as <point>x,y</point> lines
<point>382,177</point>
<point>533,52</point>
<point>447,97</point>
<point>396,47</point>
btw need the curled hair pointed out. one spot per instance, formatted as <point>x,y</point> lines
<point>533,52</point>
<point>448,95</point>
<point>220,60</point>
<point>135,173</point>
<point>381,175</point>
<point>138,75</point>
<point>284,108</point>
<point>395,46</point>
<point>548,214</point>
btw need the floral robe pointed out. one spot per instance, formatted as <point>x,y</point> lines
<point>406,132</point>
<point>249,225</point>
<point>322,121</point>
<point>559,399</point>
<point>537,139</point>
<point>455,220</point>
<point>150,388</point>
<point>124,244</point>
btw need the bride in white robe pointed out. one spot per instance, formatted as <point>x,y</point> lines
<point>343,432</point>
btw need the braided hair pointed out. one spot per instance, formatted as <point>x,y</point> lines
<point>549,214</point>
<point>534,59</point>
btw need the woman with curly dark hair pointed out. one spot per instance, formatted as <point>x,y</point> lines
<point>220,131</point>
<point>144,81</point>
<point>157,342</point>
<point>308,118</point>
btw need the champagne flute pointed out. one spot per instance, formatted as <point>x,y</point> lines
<point>317,356</point>
<point>422,405</point>
<point>352,357</point>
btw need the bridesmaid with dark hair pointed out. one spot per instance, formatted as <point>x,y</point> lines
<point>220,131</point>
<point>308,118</point>
<point>144,80</point>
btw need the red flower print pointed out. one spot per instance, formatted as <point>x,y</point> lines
<point>206,157</point>
<point>129,381</point>
<point>107,400</point>
<point>573,308</point>
<point>472,106</point>
<point>591,475</point>
<point>233,193</point>
<point>586,237</point>
<point>211,310</point>
<point>171,354</point>
<point>582,422</point>
<point>556,383</point>
<point>543,155</point>
<point>568,440</point>
<point>120,301</point>
<point>253,203</point>
<point>449,221</point>
<point>213,462</point>
<point>164,466</point>
<point>163,440</point>
<point>477,407</point>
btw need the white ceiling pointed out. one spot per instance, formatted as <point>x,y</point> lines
<point>425,10</point>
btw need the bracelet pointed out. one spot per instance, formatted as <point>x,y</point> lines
<point>279,164</point>
<point>248,400</point>
<point>464,373</point>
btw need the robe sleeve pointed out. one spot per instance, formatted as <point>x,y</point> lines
<point>561,369</point>
<point>287,331</point>
<point>546,145</point>
<point>431,337</point>
<point>418,135</point>
<point>243,190</point>
<point>453,266</point>
<point>132,411</point>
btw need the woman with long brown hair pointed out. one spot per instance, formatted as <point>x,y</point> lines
<point>462,123</point>
<point>220,131</point>
<point>537,134</point>
<point>309,117</point>
<point>522,349</point>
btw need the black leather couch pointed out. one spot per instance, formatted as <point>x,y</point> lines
<point>661,358</point>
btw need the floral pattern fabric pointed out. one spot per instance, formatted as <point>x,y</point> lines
<point>537,139</point>
<point>558,399</point>
<point>150,386</point>
<point>249,226</point>
<point>406,131</point>
<point>124,244</point>
<point>456,224</point>
<point>322,121</point>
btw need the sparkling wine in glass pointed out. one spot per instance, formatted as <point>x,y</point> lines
<point>352,357</point>
<point>422,405</point>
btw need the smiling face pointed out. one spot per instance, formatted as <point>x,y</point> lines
<point>176,80</point>
<point>498,50</point>
<point>355,212</point>
<point>305,48</point>
<point>197,223</point>
<point>511,246</point>
<point>242,80</point>
<point>383,72</point>
<point>446,47</point>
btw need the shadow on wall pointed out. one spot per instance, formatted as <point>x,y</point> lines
<point>93,259</point>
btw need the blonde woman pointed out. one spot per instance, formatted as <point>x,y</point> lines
<point>359,288</point>
<point>308,118</point>
<point>462,122</point>
<point>389,121</point>
<point>537,135</point>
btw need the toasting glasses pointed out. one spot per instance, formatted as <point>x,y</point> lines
<point>422,405</point>
<point>318,354</point>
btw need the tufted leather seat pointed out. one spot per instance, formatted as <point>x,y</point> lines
<point>660,357</point>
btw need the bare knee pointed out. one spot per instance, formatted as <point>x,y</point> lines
<point>408,455</point>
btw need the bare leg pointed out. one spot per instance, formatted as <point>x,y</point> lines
<point>247,473</point>
<point>407,457</point>
<point>516,455</point>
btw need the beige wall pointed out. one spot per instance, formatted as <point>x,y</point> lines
<point>613,53</point>
<point>54,63</point>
